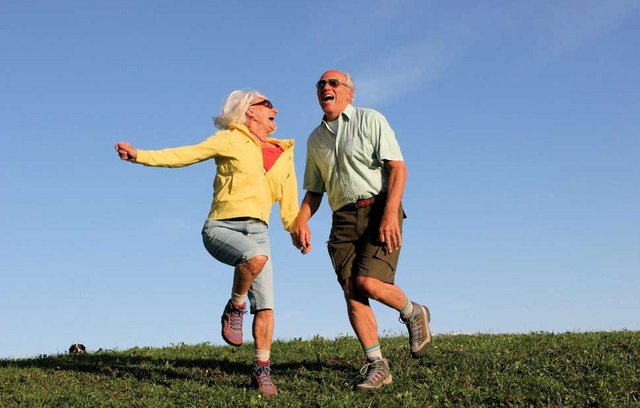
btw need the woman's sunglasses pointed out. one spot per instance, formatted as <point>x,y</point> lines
<point>264,102</point>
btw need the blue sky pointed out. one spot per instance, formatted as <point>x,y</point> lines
<point>519,123</point>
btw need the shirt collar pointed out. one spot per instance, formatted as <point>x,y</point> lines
<point>347,113</point>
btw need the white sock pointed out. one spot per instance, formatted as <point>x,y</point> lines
<point>263,355</point>
<point>407,310</point>
<point>373,352</point>
<point>238,299</point>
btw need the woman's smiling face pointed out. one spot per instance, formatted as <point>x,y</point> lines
<point>264,113</point>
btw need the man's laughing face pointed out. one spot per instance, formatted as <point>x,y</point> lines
<point>333,94</point>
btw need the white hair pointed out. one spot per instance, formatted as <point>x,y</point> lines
<point>348,82</point>
<point>234,108</point>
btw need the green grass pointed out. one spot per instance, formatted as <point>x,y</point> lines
<point>537,370</point>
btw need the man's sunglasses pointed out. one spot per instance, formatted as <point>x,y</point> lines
<point>334,83</point>
<point>264,102</point>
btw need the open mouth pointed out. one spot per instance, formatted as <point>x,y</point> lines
<point>328,97</point>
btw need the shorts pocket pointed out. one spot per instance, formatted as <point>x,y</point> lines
<point>391,259</point>
<point>339,255</point>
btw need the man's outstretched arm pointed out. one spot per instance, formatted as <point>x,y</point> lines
<point>300,231</point>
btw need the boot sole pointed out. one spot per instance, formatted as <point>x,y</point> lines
<point>425,346</point>
<point>228,340</point>
<point>386,381</point>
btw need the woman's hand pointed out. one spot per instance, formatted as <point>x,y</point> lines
<point>126,152</point>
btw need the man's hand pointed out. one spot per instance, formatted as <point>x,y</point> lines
<point>300,231</point>
<point>301,236</point>
<point>390,233</point>
<point>126,152</point>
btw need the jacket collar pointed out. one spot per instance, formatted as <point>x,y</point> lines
<point>285,144</point>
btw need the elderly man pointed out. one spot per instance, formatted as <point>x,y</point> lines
<point>354,157</point>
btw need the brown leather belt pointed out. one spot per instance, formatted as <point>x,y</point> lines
<point>365,202</point>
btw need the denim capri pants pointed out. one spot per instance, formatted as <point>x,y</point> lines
<point>235,241</point>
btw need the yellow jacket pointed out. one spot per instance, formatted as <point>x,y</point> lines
<point>241,187</point>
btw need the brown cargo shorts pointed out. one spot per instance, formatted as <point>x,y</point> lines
<point>354,247</point>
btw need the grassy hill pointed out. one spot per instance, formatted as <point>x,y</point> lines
<point>537,369</point>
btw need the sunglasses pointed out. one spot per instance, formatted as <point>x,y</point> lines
<point>334,83</point>
<point>264,102</point>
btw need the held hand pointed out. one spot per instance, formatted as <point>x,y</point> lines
<point>301,237</point>
<point>126,151</point>
<point>390,233</point>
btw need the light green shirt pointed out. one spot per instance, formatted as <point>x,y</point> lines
<point>349,165</point>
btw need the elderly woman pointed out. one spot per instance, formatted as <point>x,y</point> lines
<point>253,171</point>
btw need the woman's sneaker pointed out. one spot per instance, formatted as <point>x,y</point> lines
<point>232,323</point>
<point>419,333</point>
<point>261,378</point>
<point>376,373</point>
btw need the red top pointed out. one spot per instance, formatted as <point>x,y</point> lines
<point>269,155</point>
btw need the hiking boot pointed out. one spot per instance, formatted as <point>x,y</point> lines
<point>377,375</point>
<point>261,378</point>
<point>232,323</point>
<point>419,333</point>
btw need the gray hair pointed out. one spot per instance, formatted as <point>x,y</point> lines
<point>351,85</point>
<point>348,82</point>
<point>234,108</point>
